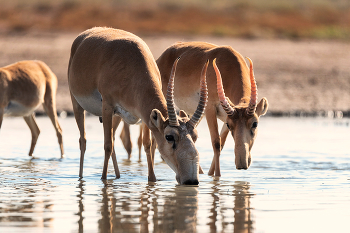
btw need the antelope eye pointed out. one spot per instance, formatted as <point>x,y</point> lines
<point>228,126</point>
<point>169,138</point>
<point>255,124</point>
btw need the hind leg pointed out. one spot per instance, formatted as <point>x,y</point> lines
<point>107,120</point>
<point>139,141</point>
<point>1,116</point>
<point>79,114</point>
<point>50,108</point>
<point>126,139</point>
<point>115,122</point>
<point>34,129</point>
<point>223,135</point>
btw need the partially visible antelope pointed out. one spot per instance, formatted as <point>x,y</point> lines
<point>112,73</point>
<point>24,86</point>
<point>238,108</point>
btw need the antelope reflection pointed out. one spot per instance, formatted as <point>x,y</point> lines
<point>25,200</point>
<point>80,197</point>
<point>158,209</point>
<point>118,212</point>
<point>221,213</point>
<point>179,212</point>
<point>175,212</point>
<point>148,210</point>
<point>243,219</point>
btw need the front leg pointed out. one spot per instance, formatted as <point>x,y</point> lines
<point>153,147</point>
<point>107,114</point>
<point>215,140</point>
<point>147,146</point>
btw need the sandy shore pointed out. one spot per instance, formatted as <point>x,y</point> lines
<point>294,76</point>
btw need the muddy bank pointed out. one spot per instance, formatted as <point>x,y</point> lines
<point>297,77</point>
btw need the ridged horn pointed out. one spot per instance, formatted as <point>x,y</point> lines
<point>203,100</point>
<point>221,94</point>
<point>170,97</point>
<point>254,91</point>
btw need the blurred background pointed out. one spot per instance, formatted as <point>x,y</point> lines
<point>300,49</point>
<point>319,19</point>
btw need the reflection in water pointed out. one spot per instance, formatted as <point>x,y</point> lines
<point>243,221</point>
<point>24,199</point>
<point>179,211</point>
<point>221,210</point>
<point>105,224</point>
<point>45,195</point>
<point>148,210</point>
<point>80,205</point>
<point>152,208</point>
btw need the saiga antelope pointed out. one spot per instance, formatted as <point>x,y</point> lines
<point>238,109</point>
<point>23,87</point>
<point>112,73</point>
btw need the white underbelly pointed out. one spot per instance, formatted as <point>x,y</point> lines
<point>15,108</point>
<point>93,104</point>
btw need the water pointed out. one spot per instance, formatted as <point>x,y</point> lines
<point>299,181</point>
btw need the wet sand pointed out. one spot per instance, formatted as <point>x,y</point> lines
<point>302,75</point>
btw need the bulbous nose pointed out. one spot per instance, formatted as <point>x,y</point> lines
<point>191,182</point>
<point>243,165</point>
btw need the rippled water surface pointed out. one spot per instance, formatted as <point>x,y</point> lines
<point>299,181</point>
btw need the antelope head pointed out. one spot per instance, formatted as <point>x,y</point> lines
<point>242,121</point>
<point>177,135</point>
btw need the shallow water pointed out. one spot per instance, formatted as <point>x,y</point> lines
<point>299,181</point>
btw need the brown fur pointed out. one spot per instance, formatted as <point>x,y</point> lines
<point>121,67</point>
<point>23,87</point>
<point>236,82</point>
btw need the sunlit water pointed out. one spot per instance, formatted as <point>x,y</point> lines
<point>299,181</point>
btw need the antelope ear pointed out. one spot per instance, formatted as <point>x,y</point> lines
<point>182,113</point>
<point>156,119</point>
<point>262,107</point>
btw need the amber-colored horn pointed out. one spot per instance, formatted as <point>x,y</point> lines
<point>203,100</point>
<point>221,94</point>
<point>254,91</point>
<point>170,97</point>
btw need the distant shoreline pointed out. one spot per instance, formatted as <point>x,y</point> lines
<point>298,78</point>
<point>321,114</point>
<point>251,19</point>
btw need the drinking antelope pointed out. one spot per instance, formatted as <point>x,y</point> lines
<point>112,73</point>
<point>239,110</point>
<point>23,87</point>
